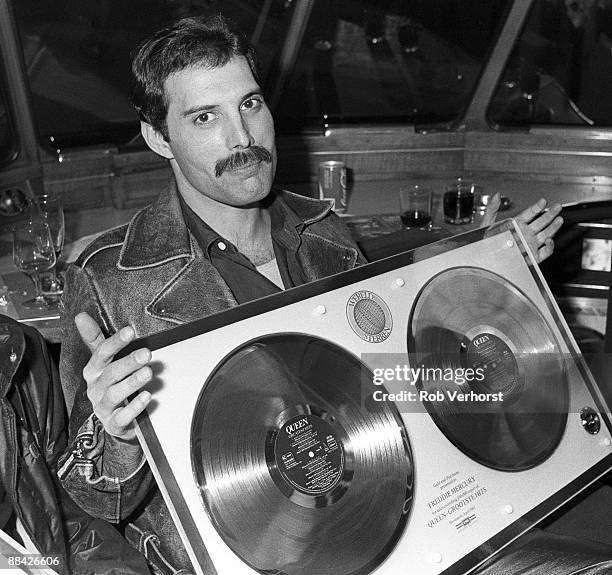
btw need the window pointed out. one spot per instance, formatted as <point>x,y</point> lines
<point>8,140</point>
<point>406,61</point>
<point>401,61</point>
<point>560,71</point>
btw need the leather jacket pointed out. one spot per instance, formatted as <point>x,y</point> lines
<point>151,274</point>
<point>33,433</point>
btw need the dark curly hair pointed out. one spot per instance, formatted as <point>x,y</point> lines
<point>209,42</point>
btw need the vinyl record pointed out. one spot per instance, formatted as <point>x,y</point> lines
<point>296,475</point>
<point>492,368</point>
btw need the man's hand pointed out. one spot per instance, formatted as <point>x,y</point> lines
<point>110,382</point>
<point>539,227</point>
<point>537,224</point>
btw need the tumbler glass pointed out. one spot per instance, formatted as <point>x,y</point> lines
<point>458,203</point>
<point>416,207</point>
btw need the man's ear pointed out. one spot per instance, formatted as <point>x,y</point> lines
<point>155,140</point>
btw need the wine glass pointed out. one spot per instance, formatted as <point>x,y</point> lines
<point>50,210</point>
<point>33,253</point>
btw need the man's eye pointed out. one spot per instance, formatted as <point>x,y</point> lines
<point>205,118</point>
<point>252,104</point>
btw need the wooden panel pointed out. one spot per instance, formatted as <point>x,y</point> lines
<point>137,161</point>
<point>83,192</point>
<point>81,177</point>
<point>139,177</point>
<point>555,154</point>
<point>372,165</point>
<point>138,189</point>
<point>88,178</point>
<point>371,153</point>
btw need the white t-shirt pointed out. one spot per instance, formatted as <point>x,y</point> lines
<point>270,270</point>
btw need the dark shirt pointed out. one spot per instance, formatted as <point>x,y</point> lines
<point>241,276</point>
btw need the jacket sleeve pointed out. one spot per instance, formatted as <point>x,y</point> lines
<point>39,385</point>
<point>80,468</point>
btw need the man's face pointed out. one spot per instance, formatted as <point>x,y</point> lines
<point>221,133</point>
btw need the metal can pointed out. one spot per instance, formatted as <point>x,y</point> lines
<point>332,183</point>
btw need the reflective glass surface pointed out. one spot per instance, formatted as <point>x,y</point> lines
<point>406,61</point>
<point>8,140</point>
<point>402,61</point>
<point>560,71</point>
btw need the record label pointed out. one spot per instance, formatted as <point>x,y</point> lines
<point>309,455</point>
<point>493,355</point>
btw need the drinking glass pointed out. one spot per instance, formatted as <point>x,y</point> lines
<point>416,207</point>
<point>33,253</point>
<point>458,202</point>
<point>50,210</point>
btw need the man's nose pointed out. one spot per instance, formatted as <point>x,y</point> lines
<point>239,134</point>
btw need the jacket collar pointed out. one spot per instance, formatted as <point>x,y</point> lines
<point>303,211</point>
<point>12,347</point>
<point>158,233</point>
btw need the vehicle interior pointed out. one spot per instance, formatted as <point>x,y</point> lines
<point>514,95</point>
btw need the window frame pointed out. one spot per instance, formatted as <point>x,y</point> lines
<point>476,116</point>
<point>24,164</point>
<point>102,176</point>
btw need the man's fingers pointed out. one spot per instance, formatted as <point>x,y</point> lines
<point>124,416</point>
<point>111,402</point>
<point>532,211</point>
<point>550,230</point>
<point>89,330</point>
<point>111,382</point>
<point>105,352</point>
<point>542,222</point>
<point>122,368</point>
<point>102,383</point>
<point>546,250</point>
<point>114,395</point>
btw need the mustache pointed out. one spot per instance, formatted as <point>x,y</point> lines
<point>243,158</point>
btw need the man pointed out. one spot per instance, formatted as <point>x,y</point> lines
<point>219,236</point>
